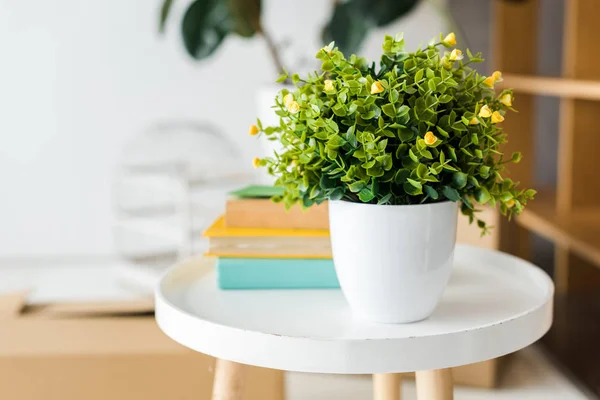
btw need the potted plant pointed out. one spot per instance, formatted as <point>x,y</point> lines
<point>397,149</point>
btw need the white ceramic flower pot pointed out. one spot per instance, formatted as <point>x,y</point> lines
<point>393,262</point>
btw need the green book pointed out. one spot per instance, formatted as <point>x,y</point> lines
<point>257,192</point>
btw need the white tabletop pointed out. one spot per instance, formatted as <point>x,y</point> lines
<point>495,304</point>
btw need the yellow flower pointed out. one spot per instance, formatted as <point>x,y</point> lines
<point>376,87</point>
<point>255,162</point>
<point>293,107</point>
<point>287,99</point>
<point>450,39</point>
<point>474,121</point>
<point>329,85</point>
<point>497,117</point>
<point>510,203</point>
<point>485,112</point>
<point>430,138</point>
<point>456,55</point>
<point>506,99</point>
<point>489,81</point>
<point>253,131</point>
<point>497,75</point>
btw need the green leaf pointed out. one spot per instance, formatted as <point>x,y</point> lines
<point>403,110</point>
<point>529,193</point>
<point>459,180</point>
<point>482,195</point>
<point>516,157</point>
<point>452,154</point>
<point>336,194</point>
<point>419,75</point>
<point>385,199</point>
<point>356,187</point>
<point>445,98</point>
<point>405,134</point>
<point>412,190</point>
<point>450,193</point>
<point>165,10</point>
<point>414,183</point>
<point>443,132</point>
<point>413,156</point>
<point>365,195</point>
<point>205,24</point>
<point>327,66</point>
<point>467,202</point>
<point>347,27</point>
<point>484,171</point>
<point>388,109</point>
<point>431,192</point>
<point>431,85</point>
<point>401,175</point>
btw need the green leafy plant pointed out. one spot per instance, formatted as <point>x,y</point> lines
<point>206,23</point>
<point>423,127</point>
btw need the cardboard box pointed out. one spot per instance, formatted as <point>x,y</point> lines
<point>104,351</point>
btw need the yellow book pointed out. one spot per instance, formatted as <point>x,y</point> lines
<point>267,243</point>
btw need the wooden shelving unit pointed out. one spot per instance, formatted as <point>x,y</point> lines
<point>570,215</point>
<point>579,231</point>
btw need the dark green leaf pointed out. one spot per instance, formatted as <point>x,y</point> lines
<point>205,24</point>
<point>431,192</point>
<point>336,194</point>
<point>459,180</point>
<point>347,27</point>
<point>450,193</point>
<point>412,190</point>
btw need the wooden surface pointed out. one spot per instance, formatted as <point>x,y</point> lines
<point>386,387</point>
<point>570,217</point>
<point>229,380</point>
<point>579,231</point>
<point>494,304</point>
<point>435,385</point>
<point>548,86</point>
<point>514,41</point>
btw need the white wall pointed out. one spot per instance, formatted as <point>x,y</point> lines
<point>79,78</point>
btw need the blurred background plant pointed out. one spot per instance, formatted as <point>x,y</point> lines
<point>206,23</point>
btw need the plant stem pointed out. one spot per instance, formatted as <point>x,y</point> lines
<point>274,53</point>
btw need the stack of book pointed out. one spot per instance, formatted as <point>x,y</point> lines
<point>260,245</point>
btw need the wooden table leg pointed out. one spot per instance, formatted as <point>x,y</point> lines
<point>229,380</point>
<point>386,386</point>
<point>435,385</point>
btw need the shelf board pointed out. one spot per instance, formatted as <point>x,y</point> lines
<point>579,231</point>
<point>560,87</point>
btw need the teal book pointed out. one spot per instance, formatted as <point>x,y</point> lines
<point>276,273</point>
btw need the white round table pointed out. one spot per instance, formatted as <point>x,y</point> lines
<point>495,304</point>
